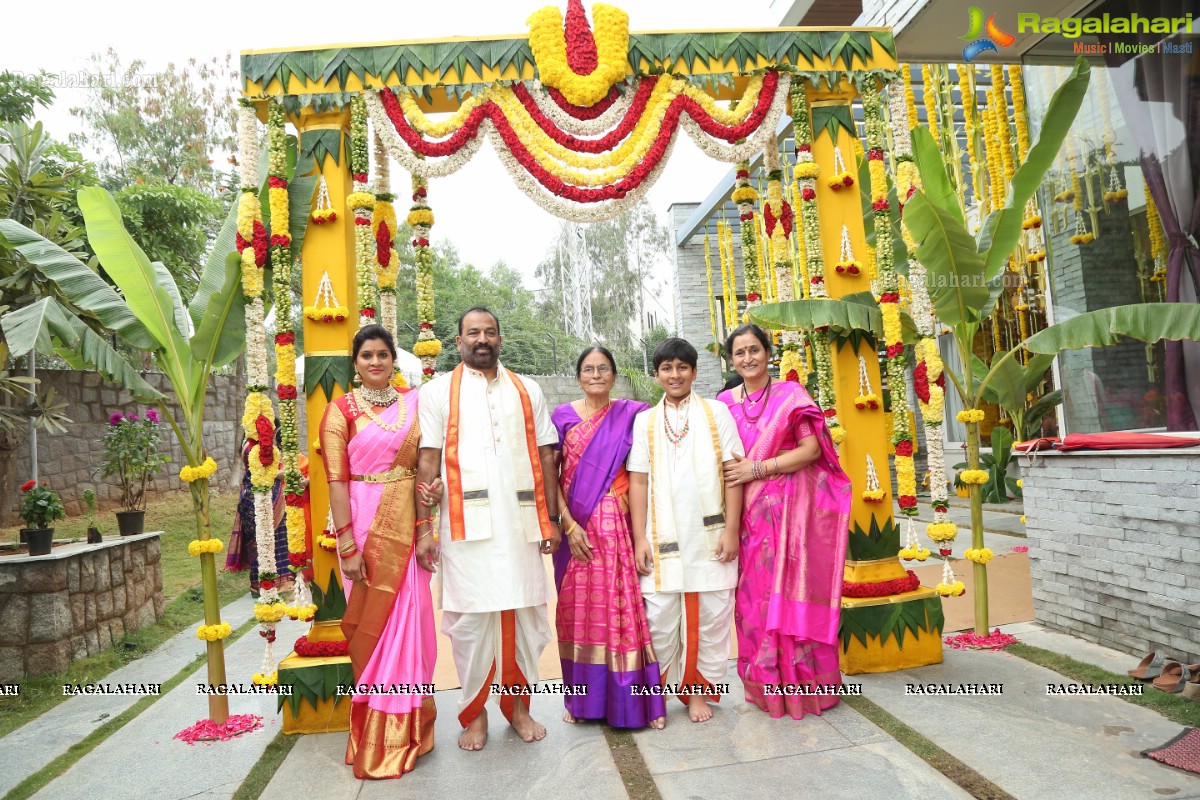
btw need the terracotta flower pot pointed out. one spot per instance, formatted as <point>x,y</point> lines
<point>131,522</point>
<point>39,541</point>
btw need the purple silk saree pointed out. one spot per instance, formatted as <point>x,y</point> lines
<point>603,636</point>
<point>793,548</point>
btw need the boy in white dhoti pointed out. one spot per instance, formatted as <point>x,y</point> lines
<point>487,431</point>
<point>685,528</point>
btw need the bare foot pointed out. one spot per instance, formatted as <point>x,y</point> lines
<point>474,737</point>
<point>529,729</point>
<point>698,709</point>
<point>658,723</point>
<point>569,717</point>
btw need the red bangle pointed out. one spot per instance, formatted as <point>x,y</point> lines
<point>342,529</point>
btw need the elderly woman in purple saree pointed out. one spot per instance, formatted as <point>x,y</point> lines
<point>794,538</point>
<point>603,637</point>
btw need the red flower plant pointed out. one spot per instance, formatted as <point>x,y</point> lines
<point>27,485</point>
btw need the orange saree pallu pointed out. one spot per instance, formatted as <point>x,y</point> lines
<point>388,622</point>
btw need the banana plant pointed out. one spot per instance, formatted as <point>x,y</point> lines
<point>964,283</point>
<point>147,312</point>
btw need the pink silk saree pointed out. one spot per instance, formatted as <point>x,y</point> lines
<point>389,621</point>
<point>793,548</point>
<point>603,637</point>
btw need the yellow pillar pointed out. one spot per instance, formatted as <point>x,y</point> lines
<point>327,248</point>
<point>866,430</point>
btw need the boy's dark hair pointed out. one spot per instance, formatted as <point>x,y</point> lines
<point>672,349</point>
<point>472,310</point>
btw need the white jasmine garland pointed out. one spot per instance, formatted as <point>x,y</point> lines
<point>582,127</point>
<point>256,351</point>
<point>248,148</point>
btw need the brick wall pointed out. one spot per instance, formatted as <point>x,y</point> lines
<point>1114,547</point>
<point>71,461</point>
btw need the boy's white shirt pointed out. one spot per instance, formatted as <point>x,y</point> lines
<point>676,508</point>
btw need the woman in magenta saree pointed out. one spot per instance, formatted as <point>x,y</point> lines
<point>603,638</point>
<point>369,442</point>
<point>796,509</point>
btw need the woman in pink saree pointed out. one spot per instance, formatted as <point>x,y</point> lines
<point>796,509</point>
<point>603,638</point>
<point>369,441</point>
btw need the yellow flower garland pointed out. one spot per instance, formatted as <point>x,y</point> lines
<point>200,546</point>
<point>213,633</point>
<point>548,43</point>
<point>262,476</point>
<point>970,415</point>
<point>257,404</point>
<point>270,612</point>
<point>941,531</point>
<point>951,590</point>
<point>420,216</point>
<point>973,477</point>
<point>259,679</point>
<point>981,555</point>
<point>427,348</point>
<point>188,473</point>
<point>358,201</point>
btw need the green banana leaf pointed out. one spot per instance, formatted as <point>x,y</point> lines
<point>221,334</point>
<point>840,316</point>
<point>1040,408</point>
<point>52,330</point>
<point>1146,322</point>
<point>1004,226</point>
<point>936,183</point>
<point>212,277</point>
<point>1007,387</point>
<point>129,267</point>
<point>956,285</point>
<point>167,281</point>
<point>138,281</point>
<point>87,290</point>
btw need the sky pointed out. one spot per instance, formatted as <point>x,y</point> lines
<point>478,208</point>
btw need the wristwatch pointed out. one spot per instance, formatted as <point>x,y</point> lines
<point>556,519</point>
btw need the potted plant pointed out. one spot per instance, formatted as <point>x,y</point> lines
<point>89,502</point>
<point>131,452</point>
<point>39,508</point>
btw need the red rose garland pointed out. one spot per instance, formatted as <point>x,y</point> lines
<point>490,110</point>
<point>582,112</point>
<point>307,649</point>
<point>910,583</point>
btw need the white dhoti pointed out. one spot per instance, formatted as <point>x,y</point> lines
<point>496,647</point>
<point>691,634</point>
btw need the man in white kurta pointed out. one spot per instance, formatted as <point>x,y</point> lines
<point>493,582</point>
<point>689,594</point>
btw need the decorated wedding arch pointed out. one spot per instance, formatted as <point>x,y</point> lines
<point>583,115</point>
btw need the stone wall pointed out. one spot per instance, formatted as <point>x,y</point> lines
<point>71,461</point>
<point>561,389</point>
<point>75,602</point>
<point>1114,547</point>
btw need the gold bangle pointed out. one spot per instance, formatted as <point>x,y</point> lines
<point>423,535</point>
<point>574,527</point>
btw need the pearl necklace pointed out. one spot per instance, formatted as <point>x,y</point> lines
<point>365,401</point>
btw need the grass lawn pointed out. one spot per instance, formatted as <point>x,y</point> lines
<point>181,591</point>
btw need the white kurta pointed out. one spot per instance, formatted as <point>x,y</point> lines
<point>695,570</point>
<point>504,571</point>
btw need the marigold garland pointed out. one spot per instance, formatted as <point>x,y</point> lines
<point>973,477</point>
<point>749,234</point>
<point>551,53</point>
<point>427,346</point>
<point>214,633</point>
<point>970,415</point>
<point>981,555</point>
<point>198,547</point>
<point>189,474</point>
<point>708,274</point>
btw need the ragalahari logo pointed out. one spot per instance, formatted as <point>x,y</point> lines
<point>983,37</point>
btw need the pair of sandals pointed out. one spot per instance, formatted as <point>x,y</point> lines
<point>1171,676</point>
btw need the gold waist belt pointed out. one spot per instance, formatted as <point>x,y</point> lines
<point>396,474</point>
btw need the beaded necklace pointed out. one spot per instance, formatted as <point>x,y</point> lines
<point>675,437</point>
<point>763,396</point>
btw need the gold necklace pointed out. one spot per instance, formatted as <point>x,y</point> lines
<point>383,397</point>
<point>364,405</point>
